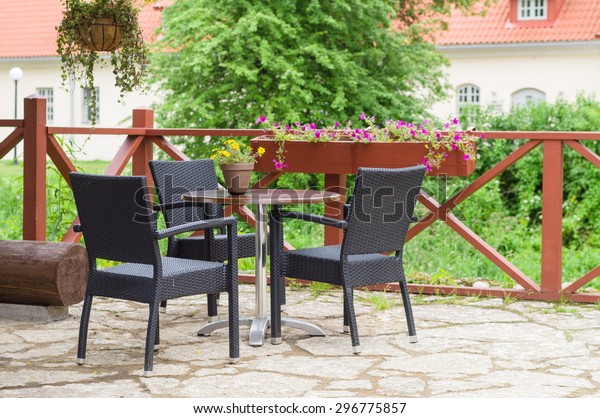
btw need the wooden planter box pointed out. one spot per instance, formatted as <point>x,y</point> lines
<point>345,157</point>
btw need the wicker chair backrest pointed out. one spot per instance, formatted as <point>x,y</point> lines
<point>116,217</point>
<point>381,209</point>
<point>173,178</point>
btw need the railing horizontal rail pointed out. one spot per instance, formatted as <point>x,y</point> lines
<point>545,135</point>
<point>12,123</point>
<point>57,130</point>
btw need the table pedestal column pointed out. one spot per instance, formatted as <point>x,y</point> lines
<point>260,322</point>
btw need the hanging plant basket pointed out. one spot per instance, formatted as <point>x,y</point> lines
<point>92,29</point>
<point>101,34</point>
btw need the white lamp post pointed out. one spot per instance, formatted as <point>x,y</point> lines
<point>15,74</point>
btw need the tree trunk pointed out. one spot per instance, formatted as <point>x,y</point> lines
<point>42,273</point>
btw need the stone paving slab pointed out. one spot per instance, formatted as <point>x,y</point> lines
<point>467,348</point>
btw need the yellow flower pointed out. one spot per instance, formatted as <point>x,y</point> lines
<point>212,157</point>
<point>260,151</point>
<point>235,146</point>
<point>224,153</point>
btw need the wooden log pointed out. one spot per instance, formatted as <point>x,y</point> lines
<point>42,273</point>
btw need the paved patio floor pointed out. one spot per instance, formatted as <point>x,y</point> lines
<point>467,348</point>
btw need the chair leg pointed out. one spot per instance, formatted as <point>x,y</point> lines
<point>83,328</point>
<point>275,325</point>
<point>150,338</point>
<point>157,335</point>
<point>412,333</point>
<point>212,301</point>
<point>163,306</point>
<point>234,325</point>
<point>282,293</point>
<point>346,328</point>
<point>349,303</point>
<point>275,248</point>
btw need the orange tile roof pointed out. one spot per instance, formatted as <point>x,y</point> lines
<point>578,20</point>
<point>28,27</point>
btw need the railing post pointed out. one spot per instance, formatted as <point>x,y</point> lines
<point>143,118</point>
<point>34,168</point>
<point>552,202</point>
<point>335,183</point>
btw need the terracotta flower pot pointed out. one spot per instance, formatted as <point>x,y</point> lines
<point>101,34</point>
<point>237,177</point>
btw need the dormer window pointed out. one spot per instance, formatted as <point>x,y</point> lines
<point>532,10</point>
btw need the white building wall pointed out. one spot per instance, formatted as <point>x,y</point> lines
<point>558,69</point>
<point>68,105</point>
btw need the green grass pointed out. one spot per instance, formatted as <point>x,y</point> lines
<point>378,300</point>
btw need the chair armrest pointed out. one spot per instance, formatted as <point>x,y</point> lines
<point>310,217</point>
<point>195,226</point>
<point>346,210</point>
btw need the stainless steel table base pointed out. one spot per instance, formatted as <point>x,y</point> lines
<point>223,323</point>
<point>258,328</point>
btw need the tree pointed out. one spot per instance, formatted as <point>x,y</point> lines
<point>222,64</point>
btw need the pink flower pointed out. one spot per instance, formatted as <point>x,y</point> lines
<point>317,134</point>
<point>363,116</point>
<point>454,147</point>
<point>438,135</point>
<point>455,121</point>
<point>313,126</point>
<point>482,136</point>
<point>337,124</point>
<point>466,157</point>
<point>457,137</point>
<point>261,119</point>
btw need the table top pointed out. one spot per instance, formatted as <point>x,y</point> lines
<point>263,197</point>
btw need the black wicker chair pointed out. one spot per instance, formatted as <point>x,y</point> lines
<point>172,179</point>
<point>377,222</point>
<point>118,224</point>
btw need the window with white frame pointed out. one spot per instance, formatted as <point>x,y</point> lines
<point>87,108</point>
<point>468,95</point>
<point>48,93</point>
<point>524,96</point>
<point>532,10</point>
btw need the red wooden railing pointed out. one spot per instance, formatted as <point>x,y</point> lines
<point>138,147</point>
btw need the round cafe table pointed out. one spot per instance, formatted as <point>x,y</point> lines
<point>262,199</point>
